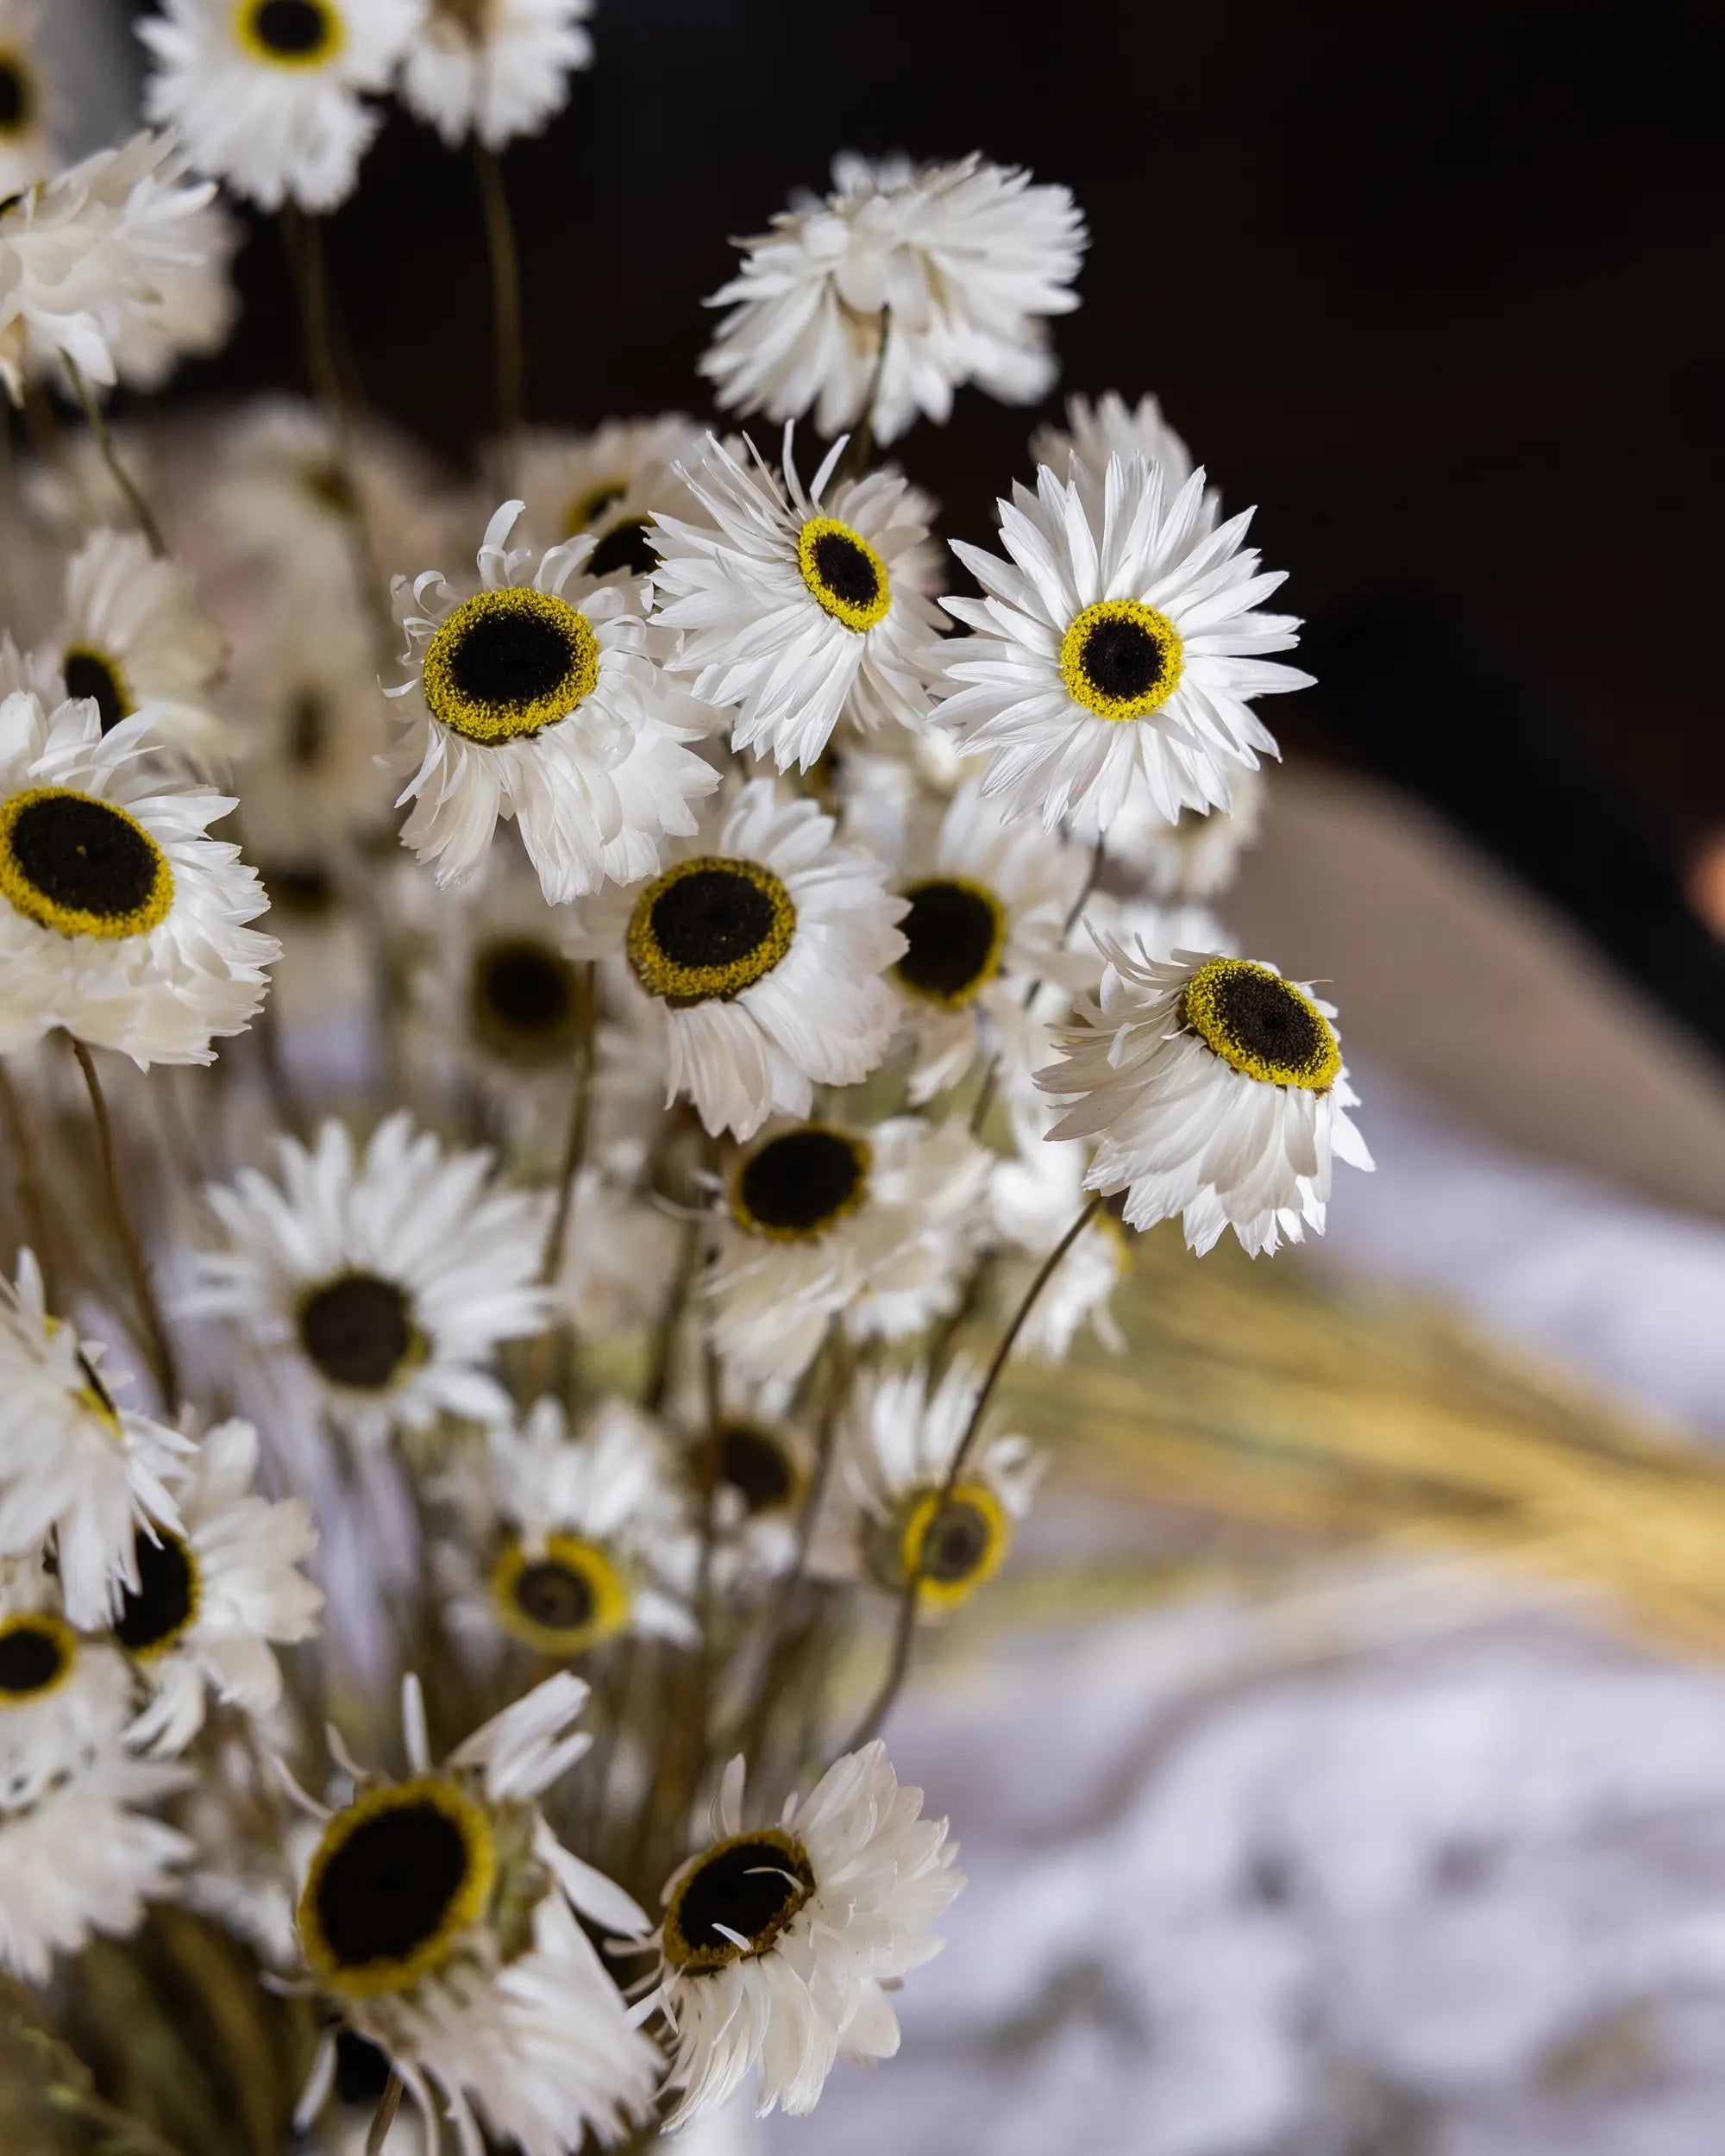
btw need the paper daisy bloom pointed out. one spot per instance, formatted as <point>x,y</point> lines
<point>212,1596</point>
<point>131,636</point>
<point>388,1276</point>
<point>760,945</point>
<point>267,95</point>
<point>899,1439</point>
<point>89,261</point>
<point>1213,1089</point>
<point>777,1941</point>
<point>119,919</point>
<point>1115,651</point>
<point>986,932</point>
<point>608,485</point>
<point>1101,428</point>
<point>75,1466</point>
<point>439,1916</point>
<point>956,266</point>
<point>82,1857</point>
<point>583,1536</point>
<point>494,68</point>
<point>62,1696</point>
<point>531,704</point>
<point>824,1222</point>
<point>799,609</point>
<point>27,152</point>
<point>1196,856</point>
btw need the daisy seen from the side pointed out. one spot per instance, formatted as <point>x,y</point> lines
<point>494,69</point>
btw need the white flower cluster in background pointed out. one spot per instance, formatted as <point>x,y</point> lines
<point>737,970</point>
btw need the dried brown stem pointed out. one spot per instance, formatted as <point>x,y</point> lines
<point>149,1310</point>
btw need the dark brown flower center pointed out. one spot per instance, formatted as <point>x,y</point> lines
<point>154,1613</point>
<point>358,1331</point>
<point>800,1182</point>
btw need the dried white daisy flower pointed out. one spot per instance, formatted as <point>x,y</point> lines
<point>119,919</point>
<point>573,1539</point>
<point>956,266</point>
<point>608,484</point>
<point>824,1223</point>
<point>617,1253</point>
<point>75,1466</point>
<point>1098,428</point>
<point>268,95</point>
<point>1213,1089</point>
<point>763,1468</point>
<point>494,69</point>
<point>761,945</point>
<point>899,1436</point>
<point>387,1276</point>
<point>193,307</point>
<point>529,703</point>
<point>81,1858</point>
<point>61,1695</point>
<point>26,150</point>
<point>439,1916</point>
<point>131,635</point>
<point>799,609</point>
<point>1194,858</point>
<point>987,964</point>
<point>1116,650</point>
<point>213,1595</point>
<point>778,1943</point>
<point>89,261</point>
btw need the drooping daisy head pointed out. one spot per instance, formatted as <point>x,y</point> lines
<point>214,1592</point>
<point>120,920</point>
<point>608,485</point>
<point>537,700</point>
<point>387,1276</point>
<point>495,69</point>
<point>1214,1089</point>
<point>760,947</point>
<point>26,152</point>
<point>77,1466</point>
<point>581,1536</point>
<point>956,266</point>
<point>900,1436</point>
<point>439,1914</point>
<point>268,95</point>
<point>777,1941</point>
<point>132,635</point>
<point>823,1221</point>
<point>1115,651</point>
<point>799,609</point>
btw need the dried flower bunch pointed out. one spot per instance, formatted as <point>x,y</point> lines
<point>706,982</point>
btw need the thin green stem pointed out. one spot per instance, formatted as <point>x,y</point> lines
<point>161,1348</point>
<point>141,513</point>
<point>904,1631</point>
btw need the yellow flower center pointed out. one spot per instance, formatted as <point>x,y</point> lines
<point>290,33</point>
<point>37,1652</point>
<point>847,578</point>
<point>561,1597</point>
<point>1121,660</point>
<point>709,928</point>
<point>394,1882</point>
<point>954,1543</point>
<point>507,663</point>
<point>1261,1024</point>
<point>83,867</point>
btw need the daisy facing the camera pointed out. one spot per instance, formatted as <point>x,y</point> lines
<point>529,702</point>
<point>388,1277</point>
<point>761,947</point>
<point>799,609</point>
<point>1213,1089</point>
<point>1115,651</point>
<point>778,1943</point>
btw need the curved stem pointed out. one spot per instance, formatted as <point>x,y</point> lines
<point>121,478</point>
<point>161,1348</point>
<point>384,2117</point>
<point>904,1631</point>
<point>576,1140</point>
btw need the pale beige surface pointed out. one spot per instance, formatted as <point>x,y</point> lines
<point>1446,971</point>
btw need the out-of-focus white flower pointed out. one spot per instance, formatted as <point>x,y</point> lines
<point>494,68</point>
<point>956,266</point>
<point>132,635</point>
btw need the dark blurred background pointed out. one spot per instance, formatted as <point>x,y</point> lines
<point>1438,288</point>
